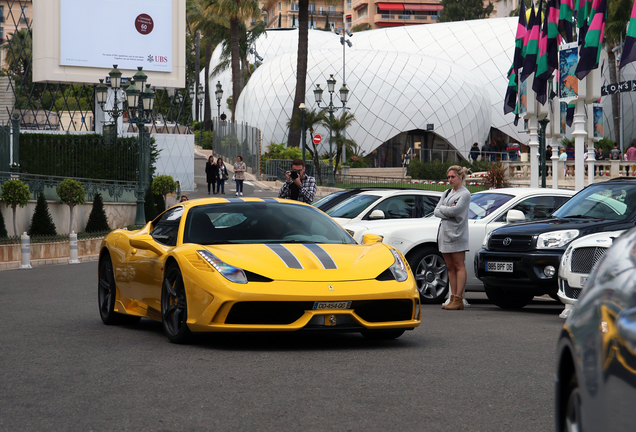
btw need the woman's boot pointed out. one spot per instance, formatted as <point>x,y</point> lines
<point>452,299</point>
<point>456,304</point>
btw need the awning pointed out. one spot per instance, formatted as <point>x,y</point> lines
<point>348,16</point>
<point>391,6</point>
<point>360,6</point>
<point>422,7</point>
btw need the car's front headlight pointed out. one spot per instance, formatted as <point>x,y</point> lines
<point>556,239</point>
<point>484,245</point>
<point>231,273</point>
<point>399,270</point>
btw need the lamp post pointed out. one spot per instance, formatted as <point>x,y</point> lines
<point>140,104</point>
<point>344,93</point>
<point>219,95</point>
<point>302,108</point>
<point>344,42</point>
<point>199,98</point>
<point>101,92</point>
<point>542,124</point>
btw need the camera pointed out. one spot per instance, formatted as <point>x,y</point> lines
<point>294,174</point>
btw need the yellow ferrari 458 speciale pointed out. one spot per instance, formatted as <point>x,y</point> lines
<point>252,264</point>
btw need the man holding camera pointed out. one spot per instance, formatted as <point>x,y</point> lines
<point>298,186</point>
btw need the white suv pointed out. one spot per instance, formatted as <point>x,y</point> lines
<point>374,205</point>
<point>417,238</point>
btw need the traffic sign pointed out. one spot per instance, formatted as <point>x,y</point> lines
<point>317,139</point>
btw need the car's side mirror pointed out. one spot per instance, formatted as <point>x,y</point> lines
<point>146,242</point>
<point>371,238</point>
<point>515,216</point>
<point>376,214</point>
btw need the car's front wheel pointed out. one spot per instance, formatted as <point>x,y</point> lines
<point>431,274</point>
<point>507,299</point>
<point>174,306</point>
<point>382,334</point>
<point>107,295</point>
<point>572,420</point>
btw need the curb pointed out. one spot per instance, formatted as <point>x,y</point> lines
<point>12,265</point>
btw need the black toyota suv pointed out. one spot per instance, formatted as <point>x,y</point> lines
<point>520,261</point>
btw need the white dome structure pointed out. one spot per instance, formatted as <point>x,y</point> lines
<point>450,75</point>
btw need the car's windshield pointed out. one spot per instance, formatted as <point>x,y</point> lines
<point>261,222</point>
<point>326,199</point>
<point>352,207</point>
<point>481,205</point>
<point>607,200</point>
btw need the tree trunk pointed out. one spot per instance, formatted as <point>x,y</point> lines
<point>616,109</point>
<point>293,139</point>
<point>236,65</point>
<point>207,110</point>
<point>15,225</point>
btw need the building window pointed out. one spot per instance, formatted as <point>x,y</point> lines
<point>348,4</point>
<point>332,8</point>
<point>1,14</point>
<point>312,7</point>
<point>280,7</point>
<point>294,6</point>
<point>24,17</point>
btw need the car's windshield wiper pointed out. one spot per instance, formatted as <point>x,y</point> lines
<point>578,217</point>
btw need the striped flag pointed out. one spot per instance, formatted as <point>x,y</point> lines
<point>554,36</point>
<point>629,53</point>
<point>582,11</point>
<point>565,20</point>
<point>590,52</point>
<point>569,114</point>
<point>540,83</point>
<point>512,91</point>
<point>532,44</point>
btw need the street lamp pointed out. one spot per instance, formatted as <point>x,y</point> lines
<point>219,95</point>
<point>101,92</point>
<point>140,105</point>
<point>344,94</point>
<point>344,42</point>
<point>199,98</point>
<point>302,108</point>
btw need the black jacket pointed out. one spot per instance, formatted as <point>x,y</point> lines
<point>211,172</point>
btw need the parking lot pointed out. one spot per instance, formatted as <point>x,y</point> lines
<point>481,369</point>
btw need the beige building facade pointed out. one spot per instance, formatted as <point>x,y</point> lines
<point>15,15</point>
<point>373,14</point>
<point>322,15</point>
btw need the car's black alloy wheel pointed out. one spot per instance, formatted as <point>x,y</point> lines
<point>507,298</point>
<point>107,295</point>
<point>431,274</point>
<point>174,306</point>
<point>572,420</point>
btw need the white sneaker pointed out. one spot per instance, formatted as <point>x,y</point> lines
<point>236,194</point>
<point>241,194</point>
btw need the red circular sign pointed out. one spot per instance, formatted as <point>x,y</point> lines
<point>317,139</point>
<point>144,24</point>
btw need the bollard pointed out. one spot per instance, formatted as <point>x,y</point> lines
<point>73,238</point>
<point>26,251</point>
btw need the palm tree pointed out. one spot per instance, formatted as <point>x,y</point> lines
<point>312,119</point>
<point>235,11</point>
<point>293,138</point>
<point>339,125</point>
<point>19,53</point>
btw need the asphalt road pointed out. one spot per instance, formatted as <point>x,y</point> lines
<point>61,369</point>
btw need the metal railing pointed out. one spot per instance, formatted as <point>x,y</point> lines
<point>230,140</point>
<point>353,181</point>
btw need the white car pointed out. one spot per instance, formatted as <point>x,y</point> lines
<point>373,205</point>
<point>579,259</point>
<point>490,209</point>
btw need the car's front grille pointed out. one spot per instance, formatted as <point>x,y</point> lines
<point>510,243</point>
<point>282,313</point>
<point>584,259</point>
<point>570,292</point>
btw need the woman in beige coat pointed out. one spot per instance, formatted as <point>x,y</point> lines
<point>239,174</point>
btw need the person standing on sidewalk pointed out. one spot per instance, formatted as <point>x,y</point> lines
<point>630,155</point>
<point>221,177</point>
<point>452,236</point>
<point>239,174</point>
<point>211,173</point>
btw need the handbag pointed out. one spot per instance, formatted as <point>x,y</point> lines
<point>233,176</point>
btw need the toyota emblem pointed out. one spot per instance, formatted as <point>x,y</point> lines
<point>507,241</point>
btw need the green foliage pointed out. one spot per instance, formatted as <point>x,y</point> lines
<point>150,210</point>
<point>464,10</point>
<point>163,185</point>
<point>71,192</point>
<point>97,220</point>
<point>495,177</point>
<point>15,193</point>
<point>360,27</point>
<point>160,204</point>
<point>606,144</point>
<point>3,227</point>
<point>42,222</point>
<point>83,156</point>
